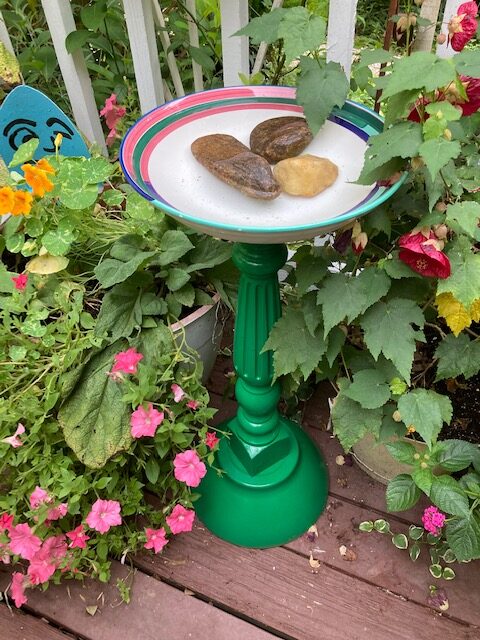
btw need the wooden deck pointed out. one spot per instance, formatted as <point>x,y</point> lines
<point>206,589</point>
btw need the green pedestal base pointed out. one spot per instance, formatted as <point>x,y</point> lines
<point>269,508</point>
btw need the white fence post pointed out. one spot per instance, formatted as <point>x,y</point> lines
<point>444,50</point>
<point>234,50</point>
<point>74,71</point>
<point>5,36</point>
<point>341,32</point>
<point>171,60</point>
<point>143,44</point>
<point>194,41</point>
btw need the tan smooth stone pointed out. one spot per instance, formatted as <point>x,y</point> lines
<point>306,175</point>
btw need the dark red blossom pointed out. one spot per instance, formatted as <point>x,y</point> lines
<point>463,26</point>
<point>423,255</point>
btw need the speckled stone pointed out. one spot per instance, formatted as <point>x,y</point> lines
<point>280,138</point>
<point>305,175</point>
<point>232,162</point>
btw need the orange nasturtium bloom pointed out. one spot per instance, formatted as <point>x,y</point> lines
<point>37,179</point>
<point>22,203</point>
<point>44,165</point>
<point>6,200</point>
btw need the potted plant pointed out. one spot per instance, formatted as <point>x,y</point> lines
<point>101,400</point>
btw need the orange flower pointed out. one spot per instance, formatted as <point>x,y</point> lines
<point>6,200</point>
<point>44,165</point>
<point>37,179</point>
<point>22,203</point>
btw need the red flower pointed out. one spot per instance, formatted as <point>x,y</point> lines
<point>423,255</point>
<point>472,87</point>
<point>20,282</point>
<point>463,26</point>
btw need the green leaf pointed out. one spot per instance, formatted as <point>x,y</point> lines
<point>17,353</point>
<point>176,278</point>
<point>152,305</point>
<point>76,195</point>
<point>115,197</point>
<point>400,105</point>
<point>464,217</point>
<point>388,330</point>
<point>24,153</point>
<point>265,28</point>
<point>95,421</point>
<point>310,270</point>
<point>174,245</point>
<point>15,242</point>
<point>421,70</point>
<point>94,170</point>
<point>305,352</point>
<point>77,39</point>
<point>152,470</point>
<point>381,526</point>
<point>444,110</point>
<point>448,573</point>
<point>351,421</point>
<point>467,63</point>
<point>110,272</point>
<point>344,296</point>
<point>139,208</point>
<point>397,269</point>
<point>185,296</point>
<point>121,311</point>
<point>58,241</point>
<point>437,153</point>
<point>464,281</point>
<point>367,526</point>
<point>92,16</point>
<point>435,570</point>
<point>402,451</point>
<point>336,340</point>
<point>208,253</point>
<point>320,87</point>
<point>426,410</point>
<point>201,56</point>
<point>415,533</point>
<point>369,389</point>
<point>414,552</point>
<point>449,496</point>
<point>402,140</point>
<point>423,478</point>
<point>455,455</point>
<point>374,56</point>
<point>463,537</point>
<point>402,493</point>
<point>400,540</point>
<point>301,31</point>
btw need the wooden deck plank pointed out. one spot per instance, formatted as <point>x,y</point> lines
<point>15,625</point>
<point>157,611</point>
<point>278,588</point>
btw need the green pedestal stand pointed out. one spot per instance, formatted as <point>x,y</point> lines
<point>275,483</point>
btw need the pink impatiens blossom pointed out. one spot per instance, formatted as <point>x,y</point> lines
<point>193,404</point>
<point>78,538</point>
<point>20,281</point>
<point>6,522</point>
<point>433,520</point>
<point>156,539</point>
<point>14,440</point>
<point>112,112</point>
<point>189,468</point>
<point>24,542</point>
<point>126,361</point>
<point>57,512</point>
<point>178,392</point>
<point>17,588</point>
<point>144,422</point>
<point>180,519</point>
<point>211,439</point>
<point>38,497</point>
<point>104,514</point>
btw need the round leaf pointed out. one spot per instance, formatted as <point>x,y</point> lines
<point>435,570</point>
<point>367,525</point>
<point>400,540</point>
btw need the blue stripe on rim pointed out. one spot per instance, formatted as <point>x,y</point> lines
<point>363,207</point>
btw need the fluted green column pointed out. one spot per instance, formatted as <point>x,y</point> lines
<point>273,483</point>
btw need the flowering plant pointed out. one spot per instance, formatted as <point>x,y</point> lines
<point>388,308</point>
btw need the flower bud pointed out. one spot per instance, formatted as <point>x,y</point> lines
<point>447,134</point>
<point>441,231</point>
<point>357,229</point>
<point>417,163</point>
<point>360,242</point>
<point>416,456</point>
<point>423,465</point>
<point>441,38</point>
<point>441,206</point>
<point>397,416</point>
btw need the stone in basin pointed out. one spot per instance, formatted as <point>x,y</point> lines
<point>280,138</point>
<point>306,175</point>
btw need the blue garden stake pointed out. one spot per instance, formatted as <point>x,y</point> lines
<point>27,113</point>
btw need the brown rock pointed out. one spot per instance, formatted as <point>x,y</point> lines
<point>231,161</point>
<point>306,175</point>
<point>280,138</point>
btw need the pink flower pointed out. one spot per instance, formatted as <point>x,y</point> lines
<point>180,519</point>
<point>23,542</point>
<point>178,392</point>
<point>211,439</point>
<point>112,136</point>
<point>433,520</point>
<point>14,440</point>
<point>126,361</point>
<point>47,560</point>
<point>463,26</point>
<point>17,587</point>
<point>144,422</point>
<point>57,512</point>
<point>39,496</point>
<point>193,404</point>
<point>20,281</point>
<point>104,514</point>
<point>112,112</point>
<point>189,468</point>
<point>156,539</point>
<point>6,522</point>
<point>359,242</point>
<point>423,255</point>
<point>56,547</point>
<point>78,538</point>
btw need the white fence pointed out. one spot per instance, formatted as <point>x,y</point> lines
<point>142,17</point>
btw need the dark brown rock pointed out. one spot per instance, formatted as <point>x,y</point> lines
<point>280,138</point>
<point>231,161</point>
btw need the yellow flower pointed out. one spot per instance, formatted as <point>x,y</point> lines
<point>6,200</point>
<point>37,179</point>
<point>44,165</point>
<point>22,203</point>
